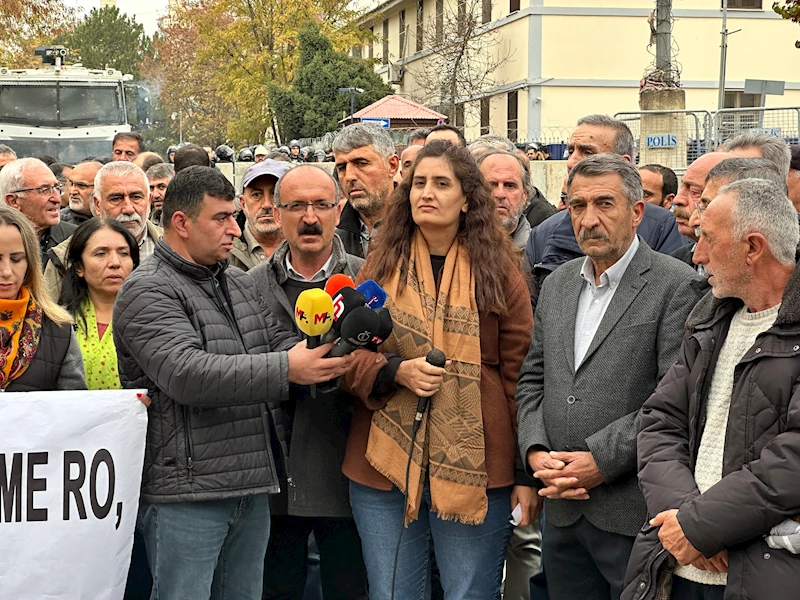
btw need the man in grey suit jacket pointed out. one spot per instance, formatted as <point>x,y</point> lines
<point>607,329</point>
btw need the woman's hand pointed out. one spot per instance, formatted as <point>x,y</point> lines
<point>419,376</point>
<point>529,501</point>
<point>144,399</point>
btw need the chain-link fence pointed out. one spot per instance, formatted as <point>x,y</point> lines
<point>782,123</point>
<point>673,138</point>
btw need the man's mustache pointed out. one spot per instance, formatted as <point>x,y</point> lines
<point>592,234</point>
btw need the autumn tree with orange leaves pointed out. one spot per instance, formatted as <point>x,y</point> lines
<point>29,23</point>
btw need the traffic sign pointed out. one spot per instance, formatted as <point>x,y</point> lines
<point>382,123</point>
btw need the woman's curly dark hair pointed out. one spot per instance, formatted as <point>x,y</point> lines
<point>492,254</point>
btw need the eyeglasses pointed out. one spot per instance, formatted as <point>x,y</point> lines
<point>44,190</point>
<point>700,208</point>
<point>301,207</point>
<point>80,185</point>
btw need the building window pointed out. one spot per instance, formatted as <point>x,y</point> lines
<point>385,51</point>
<point>484,116</point>
<point>741,100</point>
<point>460,115</point>
<point>513,6</point>
<point>513,123</point>
<point>744,4</point>
<point>420,24</point>
<point>402,34</point>
<point>357,52</point>
<point>371,42</point>
<point>486,12</point>
<point>439,21</point>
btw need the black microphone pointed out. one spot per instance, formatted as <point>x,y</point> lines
<point>357,330</point>
<point>384,328</point>
<point>344,301</point>
<point>436,358</point>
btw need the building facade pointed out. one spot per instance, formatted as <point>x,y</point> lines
<point>561,59</point>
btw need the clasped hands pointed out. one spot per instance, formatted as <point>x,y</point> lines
<point>566,475</point>
<point>675,542</point>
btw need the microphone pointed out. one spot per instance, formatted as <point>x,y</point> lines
<point>344,302</point>
<point>313,314</point>
<point>384,328</point>
<point>337,282</point>
<point>436,358</point>
<point>375,294</point>
<point>357,330</point>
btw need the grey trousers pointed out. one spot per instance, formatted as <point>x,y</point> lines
<point>523,561</point>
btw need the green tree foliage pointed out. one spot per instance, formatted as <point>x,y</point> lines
<point>313,105</point>
<point>106,38</point>
<point>789,9</point>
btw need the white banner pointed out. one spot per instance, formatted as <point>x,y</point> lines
<point>70,471</point>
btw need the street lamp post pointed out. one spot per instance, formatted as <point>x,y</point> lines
<point>352,91</point>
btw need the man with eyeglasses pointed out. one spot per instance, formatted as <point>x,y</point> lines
<point>260,233</point>
<point>80,186</point>
<point>307,209</point>
<point>121,192</point>
<point>29,185</point>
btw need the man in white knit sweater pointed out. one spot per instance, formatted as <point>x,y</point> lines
<point>712,415</point>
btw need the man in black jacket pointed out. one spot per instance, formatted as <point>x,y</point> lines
<point>719,441</point>
<point>217,366</point>
<point>317,500</point>
<point>365,167</point>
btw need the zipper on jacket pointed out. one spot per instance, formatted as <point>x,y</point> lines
<point>228,311</point>
<point>188,439</point>
<point>292,487</point>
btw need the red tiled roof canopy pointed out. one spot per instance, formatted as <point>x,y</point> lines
<point>395,107</point>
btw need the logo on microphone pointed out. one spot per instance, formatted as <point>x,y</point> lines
<point>300,314</point>
<point>321,318</point>
<point>338,306</point>
<point>364,337</point>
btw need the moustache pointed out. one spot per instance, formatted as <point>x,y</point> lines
<point>310,229</point>
<point>681,212</point>
<point>592,234</point>
<point>129,218</point>
<point>264,212</point>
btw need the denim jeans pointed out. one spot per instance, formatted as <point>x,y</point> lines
<point>213,549</point>
<point>470,557</point>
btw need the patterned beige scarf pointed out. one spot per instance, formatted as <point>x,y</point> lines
<point>449,449</point>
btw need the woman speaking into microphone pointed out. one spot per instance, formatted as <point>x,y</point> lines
<point>453,282</point>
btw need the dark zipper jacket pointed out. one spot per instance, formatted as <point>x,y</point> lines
<point>215,365</point>
<point>761,462</point>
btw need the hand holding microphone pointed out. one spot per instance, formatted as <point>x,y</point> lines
<point>307,362</point>
<point>421,376</point>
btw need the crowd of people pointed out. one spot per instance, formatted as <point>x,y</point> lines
<point>615,415</point>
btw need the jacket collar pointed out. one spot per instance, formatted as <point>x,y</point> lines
<point>190,269</point>
<point>350,220</point>
<point>709,310</point>
<point>277,262</point>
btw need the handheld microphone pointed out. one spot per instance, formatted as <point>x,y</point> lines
<point>375,294</point>
<point>313,314</point>
<point>357,330</point>
<point>436,358</point>
<point>346,300</point>
<point>384,328</point>
<point>337,282</point>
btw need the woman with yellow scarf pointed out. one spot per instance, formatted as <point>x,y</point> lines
<point>38,351</point>
<point>453,282</point>
<point>101,255</point>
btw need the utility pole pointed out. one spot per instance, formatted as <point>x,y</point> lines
<point>664,39</point>
<point>723,56</point>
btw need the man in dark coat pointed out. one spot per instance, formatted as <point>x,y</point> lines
<point>217,366</point>
<point>719,446</point>
<point>317,499</point>
<point>365,167</point>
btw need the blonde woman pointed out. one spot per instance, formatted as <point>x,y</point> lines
<point>38,350</point>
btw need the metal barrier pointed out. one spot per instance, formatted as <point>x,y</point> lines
<point>673,138</point>
<point>782,122</point>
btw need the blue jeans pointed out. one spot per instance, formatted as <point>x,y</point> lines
<point>470,557</point>
<point>212,549</point>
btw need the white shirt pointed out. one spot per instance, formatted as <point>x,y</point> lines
<point>594,299</point>
<point>320,275</point>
